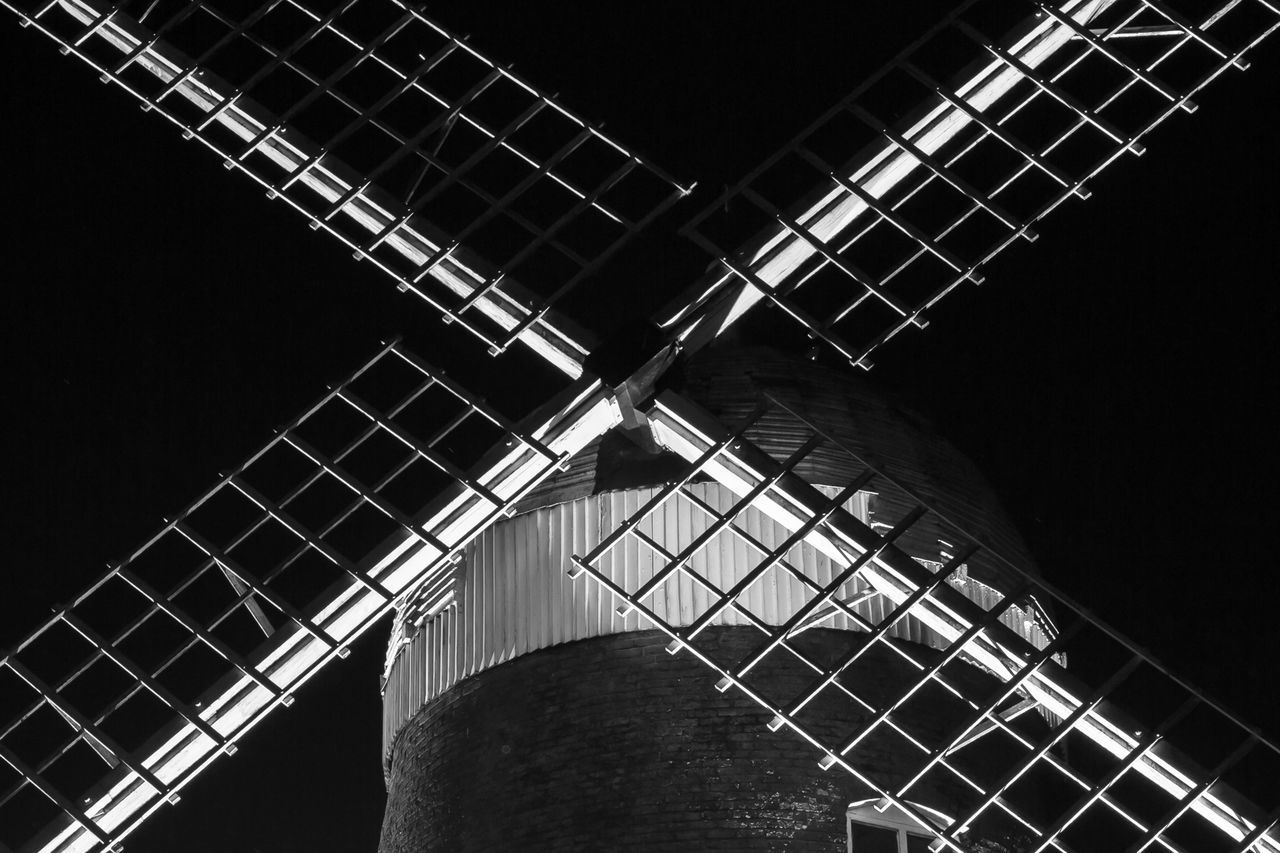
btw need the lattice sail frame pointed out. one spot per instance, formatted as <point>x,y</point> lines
<point>1079,768</point>
<point>125,694</point>
<point>869,217</point>
<point>452,174</point>
<point>384,230</point>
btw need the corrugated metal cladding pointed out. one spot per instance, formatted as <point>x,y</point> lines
<point>859,421</point>
<point>514,596</point>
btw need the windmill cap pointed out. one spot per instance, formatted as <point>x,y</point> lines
<point>862,427</point>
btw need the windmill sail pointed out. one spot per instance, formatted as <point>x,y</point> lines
<point>452,174</point>
<point>121,697</point>
<point>308,101</point>
<point>952,153</point>
<point>1110,761</point>
<point>869,218</point>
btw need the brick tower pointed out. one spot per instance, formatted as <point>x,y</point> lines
<point>527,712</point>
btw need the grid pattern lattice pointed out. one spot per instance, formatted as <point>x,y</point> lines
<point>956,149</point>
<point>451,173</point>
<point>123,695</point>
<point>1122,755</point>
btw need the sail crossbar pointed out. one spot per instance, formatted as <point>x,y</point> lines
<point>160,667</point>
<point>1120,746</point>
<point>912,184</point>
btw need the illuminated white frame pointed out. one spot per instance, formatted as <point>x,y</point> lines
<point>779,257</point>
<point>399,566</point>
<point>592,411</point>
<point>777,260</point>
<point>882,814</point>
<point>368,206</point>
<point>687,430</point>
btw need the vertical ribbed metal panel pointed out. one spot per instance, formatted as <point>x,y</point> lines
<point>513,596</point>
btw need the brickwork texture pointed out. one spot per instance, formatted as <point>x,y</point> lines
<point>612,744</point>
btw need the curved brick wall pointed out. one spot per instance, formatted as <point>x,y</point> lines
<point>612,744</point>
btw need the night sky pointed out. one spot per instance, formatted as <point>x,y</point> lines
<point>1116,380</point>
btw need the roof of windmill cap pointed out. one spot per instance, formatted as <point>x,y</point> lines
<point>857,420</point>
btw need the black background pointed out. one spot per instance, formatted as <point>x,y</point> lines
<point>1116,380</point>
